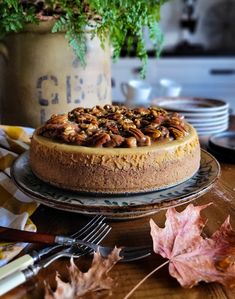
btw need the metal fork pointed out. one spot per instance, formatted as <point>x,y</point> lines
<point>87,246</point>
<point>78,251</point>
<point>127,253</point>
<point>19,277</point>
<point>84,233</point>
<point>29,259</point>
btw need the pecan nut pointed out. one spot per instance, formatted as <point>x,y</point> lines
<point>154,133</point>
<point>99,139</point>
<point>176,133</point>
<point>116,141</point>
<point>140,137</point>
<point>58,119</point>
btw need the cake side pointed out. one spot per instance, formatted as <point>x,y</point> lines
<point>115,170</point>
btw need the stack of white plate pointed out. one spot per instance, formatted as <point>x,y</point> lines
<point>208,116</point>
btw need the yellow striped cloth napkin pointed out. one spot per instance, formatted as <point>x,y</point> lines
<point>15,206</point>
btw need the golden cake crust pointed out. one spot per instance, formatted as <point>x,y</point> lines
<point>115,170</point>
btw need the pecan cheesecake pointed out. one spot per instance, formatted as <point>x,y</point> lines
<point>114,149</point>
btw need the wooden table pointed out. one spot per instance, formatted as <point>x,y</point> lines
<point>136,232</point>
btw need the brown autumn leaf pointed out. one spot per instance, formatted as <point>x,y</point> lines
<point>193,258</point>
<point>81,284</point>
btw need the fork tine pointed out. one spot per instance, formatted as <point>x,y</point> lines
<point>98,228</point>
<point>97,219</point>
<point>96,238</point>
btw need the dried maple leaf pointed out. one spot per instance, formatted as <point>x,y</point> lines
<point>95,279</point>
<point>193,258</point>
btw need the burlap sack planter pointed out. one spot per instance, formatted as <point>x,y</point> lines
<point>42,76</point>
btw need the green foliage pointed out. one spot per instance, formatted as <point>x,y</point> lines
<point>13,18</point>
<point>122,21</point>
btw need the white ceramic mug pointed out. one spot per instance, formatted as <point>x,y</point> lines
<point>169,88</point>
<point>136,92</point>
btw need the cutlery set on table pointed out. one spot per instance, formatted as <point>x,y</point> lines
<point>84,241</point>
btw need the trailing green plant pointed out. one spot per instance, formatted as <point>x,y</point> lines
<point>122,21</point>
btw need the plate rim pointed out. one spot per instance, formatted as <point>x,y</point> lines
<point>224,127</point>
<point>222,105</point>
<point>212,141</point>
<point>202,115</point>
<point>206,120</point>
<point>208,124</point>
<point>200,133</point>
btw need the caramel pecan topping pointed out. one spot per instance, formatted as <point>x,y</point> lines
<point>114,126</point>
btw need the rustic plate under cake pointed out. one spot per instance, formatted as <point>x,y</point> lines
<point>117,207</point>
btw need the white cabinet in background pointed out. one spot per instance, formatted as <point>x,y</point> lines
<point>199,77</point>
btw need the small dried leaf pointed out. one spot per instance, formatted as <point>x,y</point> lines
<point>192,257</point>
<point>95,279</point>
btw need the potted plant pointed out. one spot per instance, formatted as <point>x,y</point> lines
<point>57,53</point>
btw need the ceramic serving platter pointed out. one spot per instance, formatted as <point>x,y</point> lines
<point>127,206</point>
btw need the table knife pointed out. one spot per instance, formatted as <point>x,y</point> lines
<point>16,235</point>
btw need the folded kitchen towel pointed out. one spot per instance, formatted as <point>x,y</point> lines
<point>15,206</point>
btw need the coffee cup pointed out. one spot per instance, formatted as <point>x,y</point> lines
<point>169,88</point>
<point>136,92</point>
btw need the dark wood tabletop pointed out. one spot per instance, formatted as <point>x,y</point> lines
<point>137,232</point>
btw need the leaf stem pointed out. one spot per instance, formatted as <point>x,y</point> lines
<point>146,277</point>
